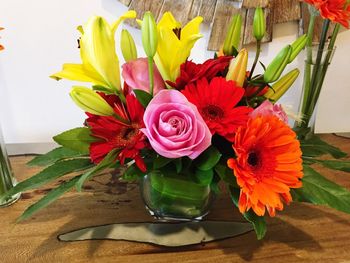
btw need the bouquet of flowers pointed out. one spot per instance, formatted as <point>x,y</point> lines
<point>186,126</point>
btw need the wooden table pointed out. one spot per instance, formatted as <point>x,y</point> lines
<point>300,233</point>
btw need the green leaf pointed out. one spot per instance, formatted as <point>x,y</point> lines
<point>160,162</point>
<point>178,165</point>
<point>226,174</point>
<point>143,97</point>
<point>105,163</point>
<point>48,199</point>
<point>78,139</point>
<point>335,164</point>
<point>51,173</point>
<point>102,89</point>
<point>258,222</point>
<point>314,147</point>
<point>204,177</point>
<point>53,156</point>
<point>132,173</point>
<point>208,159</point>
<point>321,191</point>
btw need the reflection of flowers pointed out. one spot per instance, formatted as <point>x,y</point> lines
<point>268,164</point>
<point>123,134</point>
<point>216,103</point>
<point>1,46</point>
<point>174,126</point>
<point>135,74</point>
<point>267,108</point>
<point>335,10</point>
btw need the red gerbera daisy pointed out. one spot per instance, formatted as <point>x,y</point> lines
<point>268,164</point>
<point>191,72</point>
<point>217,102</point>
<point>123,133</point>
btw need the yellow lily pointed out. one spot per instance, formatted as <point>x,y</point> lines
<point>175,44</point>
<point>100,64</point>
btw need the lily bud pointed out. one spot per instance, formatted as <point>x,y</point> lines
<point>149,34</point>
<point>282,85</point>
<point>233,36</point>
<point>259,24</point>
<point>276,67</point>
<point>297,46</point>
<point>238,68</point>
<point>127,45</point>
<point>89,101</point>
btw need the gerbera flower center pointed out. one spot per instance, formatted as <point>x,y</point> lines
<point>253,159</point>
<point>128,133</point>
<point>177,32</point>
<point>213,112</point>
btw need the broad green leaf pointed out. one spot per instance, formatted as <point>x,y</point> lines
<point>321,191</point>
<point>336,165</point>
<point>314,147</point>
<point>226,174</point>
<point>208,159</point>
<point>78,139</point>
<point>48,199</point>
<point>143,97</point>
<point>160,162</point>
<point>54,156</point>
<point>258,222</point>
<point>104,164</point>
<point>204,177</point>
<point>51,173</point>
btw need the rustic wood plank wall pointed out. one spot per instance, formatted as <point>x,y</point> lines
<point>217,13</point>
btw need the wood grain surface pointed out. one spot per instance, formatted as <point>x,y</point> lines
<point>301,233</point>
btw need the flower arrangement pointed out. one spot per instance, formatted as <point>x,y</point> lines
<point>171,118</point>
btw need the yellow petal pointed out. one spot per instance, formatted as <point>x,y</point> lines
<point>129,14</point>
<point>192,27</point>
<point>168,21</point>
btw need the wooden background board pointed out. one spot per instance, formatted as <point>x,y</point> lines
<point>300,233</point>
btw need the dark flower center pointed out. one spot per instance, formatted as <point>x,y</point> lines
<point>128,133</point>
<point>253,159</point>
<point>213,112</point>
<point>177,32</point>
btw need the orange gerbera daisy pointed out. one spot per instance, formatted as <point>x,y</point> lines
<point>268,164</point>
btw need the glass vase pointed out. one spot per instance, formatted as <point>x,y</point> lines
<point>316,65</point>
<point>177,198</point>
<point>7,181</point>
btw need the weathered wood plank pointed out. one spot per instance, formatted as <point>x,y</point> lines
<point>286,10</point>
<point>194,11</point>
<point>225,9</point>
<point>248,32</point>
<point>141,6</point>
<point>304,24</point>
<point>207,10</point>
<point>255,3</point>
<point>179,8</point>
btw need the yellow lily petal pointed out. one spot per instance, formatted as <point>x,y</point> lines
<point>168,21</point>
<point>129,14</point>
<point>192,27</point>
<point>78,73</point>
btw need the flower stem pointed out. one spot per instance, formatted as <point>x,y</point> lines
<point>5,174</point>
<point>257,54</point>
<point>150,74</point>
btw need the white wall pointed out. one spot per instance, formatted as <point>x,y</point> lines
<point>40,36</point>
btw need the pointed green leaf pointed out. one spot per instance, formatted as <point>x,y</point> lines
<point>336,164</point>
<point>208,159</point>
<point>321,191</point>
<point>53,156</point>
<point>178,164</point>
<point>226,174</point>
<point>314,147</point>
<point>48,199</point>
<point>109,160</point>
<point>132,173</point>
<point>258,222</point>
<point>143,97</point>
<point>160,162</point>
<point>204,177</point>
<point>51,173</point>
<point>78,139</point>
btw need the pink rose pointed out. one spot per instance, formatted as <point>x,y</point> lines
<point>174,126</point>
<point>267,108</point>
<point>135,74</point>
